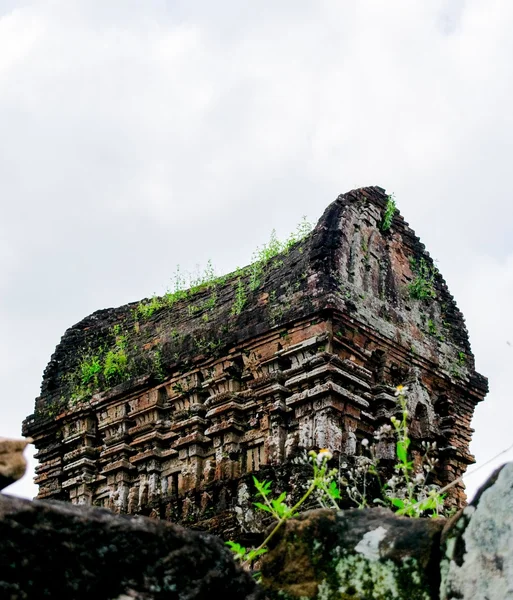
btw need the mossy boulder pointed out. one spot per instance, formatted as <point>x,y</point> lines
<point>366,554</point>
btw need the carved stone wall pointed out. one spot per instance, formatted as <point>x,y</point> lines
<point>214,394</point>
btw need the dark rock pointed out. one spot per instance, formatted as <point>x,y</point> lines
<point>56,550</point>
<point>354,555</point>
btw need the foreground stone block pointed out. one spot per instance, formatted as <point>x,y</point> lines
<point>55,550</point>
<point>478,547</point>
<point>354,555</point>
<point>12,461</point>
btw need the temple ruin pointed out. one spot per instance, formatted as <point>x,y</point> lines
<point>166,409</point>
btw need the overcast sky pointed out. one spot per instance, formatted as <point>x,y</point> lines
<point>138,135</point>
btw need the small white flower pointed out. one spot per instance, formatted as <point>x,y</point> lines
<point>324,455</point>
<point>401,390</point>
<point>365,442</point>
<point>419,478</point>
<point>382,432</point>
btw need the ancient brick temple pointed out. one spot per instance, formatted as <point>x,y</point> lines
<point>166,411</point>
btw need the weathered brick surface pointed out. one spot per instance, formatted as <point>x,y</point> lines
<point>311,361</point>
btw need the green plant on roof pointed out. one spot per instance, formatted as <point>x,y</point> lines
<point>205,345</point>
<point>240,297</point>
<point>423,284</point>
<point>90,368</point>
<point>109,365</point>
<point>264,254</point>
<point>100,369</point>
<point>388,215</point>
<point>158,368</point>
<point>432,327</point>
<point>185,285</point>
<point>115,365</point>
<point>146,309</point>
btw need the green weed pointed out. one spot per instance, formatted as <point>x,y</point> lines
<point>432,327</point>
<point>240,298</point>
<point>90,367</point>
<point>323,481</point>
<point>407,492</point>
<point>158,369</point>
<point>388,215</point>
<point>115,366</point>
<point>423,285</point>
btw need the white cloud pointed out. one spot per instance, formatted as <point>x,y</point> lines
<point>20,32</point>
<point>486,292</point>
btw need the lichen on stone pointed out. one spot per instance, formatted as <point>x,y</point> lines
<point>360,577</point>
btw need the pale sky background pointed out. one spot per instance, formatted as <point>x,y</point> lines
<point>138,135</point>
